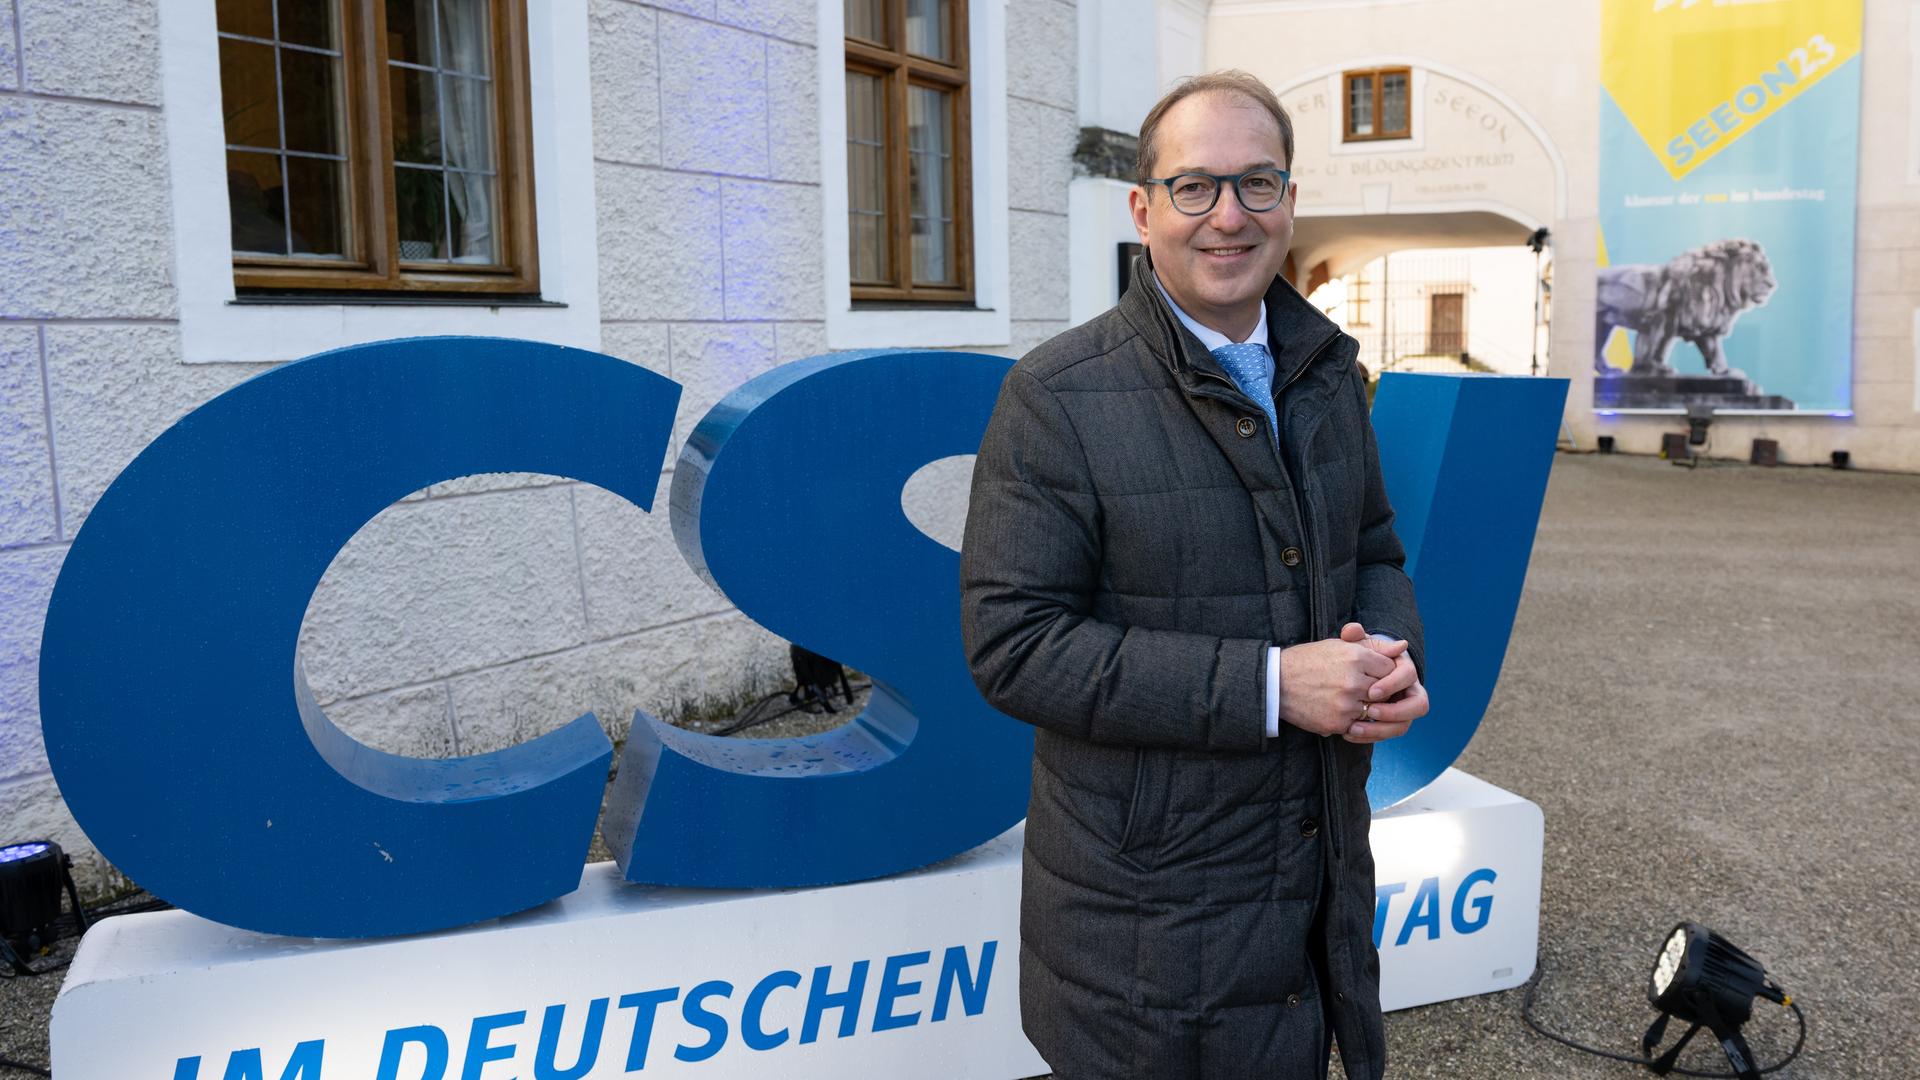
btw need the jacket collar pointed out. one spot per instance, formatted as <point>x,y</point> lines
<point>1296,330</point>
<point>1210,339</point>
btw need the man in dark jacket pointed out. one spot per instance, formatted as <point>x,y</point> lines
<point>1180,566</point>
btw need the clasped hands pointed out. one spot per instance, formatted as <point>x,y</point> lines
<point>1354,686</point>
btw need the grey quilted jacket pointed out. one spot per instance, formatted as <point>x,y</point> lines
<point>1198,898</point>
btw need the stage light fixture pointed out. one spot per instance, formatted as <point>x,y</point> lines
<point>1704,980</point>
<point>1698,419</point>
<point>31,875</point>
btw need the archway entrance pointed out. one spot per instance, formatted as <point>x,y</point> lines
<point>1419,244</point>
<point>1462,291</point>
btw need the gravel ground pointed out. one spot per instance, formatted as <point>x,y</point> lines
<point>1705,694</point>
<point>1710,694</point>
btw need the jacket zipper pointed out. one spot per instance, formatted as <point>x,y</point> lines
<point>1330,802</point>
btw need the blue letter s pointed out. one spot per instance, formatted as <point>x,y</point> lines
<point>787,499</point>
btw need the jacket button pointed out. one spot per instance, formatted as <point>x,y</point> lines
<point>1246,427</point>
<point>1340,997</point>
<point>1291,556</point>
<point>1293,1001</point>
<point>1309,828</point>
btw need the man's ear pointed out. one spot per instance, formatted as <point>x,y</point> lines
<point>1137,203</point>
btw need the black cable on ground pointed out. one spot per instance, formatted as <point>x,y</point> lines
<point>1526,1014</point>
<point>748,718</point>
<point>34,972</point>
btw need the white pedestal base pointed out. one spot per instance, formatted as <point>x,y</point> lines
<point>702,983</point>
<point>148,990</point>
<point>1457,909</point>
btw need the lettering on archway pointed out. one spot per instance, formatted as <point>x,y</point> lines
<point>1469,149</point>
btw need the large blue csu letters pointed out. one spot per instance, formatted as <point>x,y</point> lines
<point>187,746</point>
<point>788,500</point>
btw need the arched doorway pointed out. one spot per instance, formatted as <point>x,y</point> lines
<point>1428,227</point>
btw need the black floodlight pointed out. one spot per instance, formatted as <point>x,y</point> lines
<point>29,887</point>
<point>1698,418</point>
<point>31,875</point>
<point>1705,980</point>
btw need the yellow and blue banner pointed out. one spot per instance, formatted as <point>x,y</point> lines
<point>1729,156</point>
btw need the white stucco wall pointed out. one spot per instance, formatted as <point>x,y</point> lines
<point>481,611</point>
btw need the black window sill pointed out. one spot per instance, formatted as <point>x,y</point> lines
<point>359,299</point>
<point>917,305</point>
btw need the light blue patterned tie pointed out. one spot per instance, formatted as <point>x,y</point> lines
<point>1251,368</point>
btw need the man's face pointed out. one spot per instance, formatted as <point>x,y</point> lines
<point>1216,265</point>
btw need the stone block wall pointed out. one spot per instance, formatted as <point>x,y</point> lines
<point>1042,128</point>
<point>479,612</point>
<point>89,342</point>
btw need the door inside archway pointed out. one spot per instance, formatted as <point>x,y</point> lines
<point>1452,291</point>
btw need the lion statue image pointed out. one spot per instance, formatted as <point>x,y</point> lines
<point>1695,297</point>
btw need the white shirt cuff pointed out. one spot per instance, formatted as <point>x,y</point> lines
<point>1273,692</point>
<point>1273,684</point>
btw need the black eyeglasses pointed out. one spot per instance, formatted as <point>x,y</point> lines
<point>1195,193</point>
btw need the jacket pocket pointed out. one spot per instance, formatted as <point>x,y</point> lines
<point>1133,829</point>
<point>1142,828</point>
<point>1335,492</point>
<point>1129,824</point>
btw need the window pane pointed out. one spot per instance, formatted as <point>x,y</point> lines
<point>254,18</point>
<point>867,178</point>
<point>867,20</point>
<point>1360,105</point>
<point>307,22</point>
<point>313,107</point>
<point>1393,102</point>
<point>469,122</point>
<point>927,22</point>
<point>464,36</point>
<point>410,31</point>
<point>247,94</point>
<point>929,173</point>
<point>416,116</point>
<point>316,196</point>
<point>473,224</point>
<point>420,201</point>
<point>254,194</point>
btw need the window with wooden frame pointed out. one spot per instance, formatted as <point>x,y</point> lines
<point>378,146</point>
<point>909,200</point>
<point>1378,104</point>
<point>1359,301</point>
